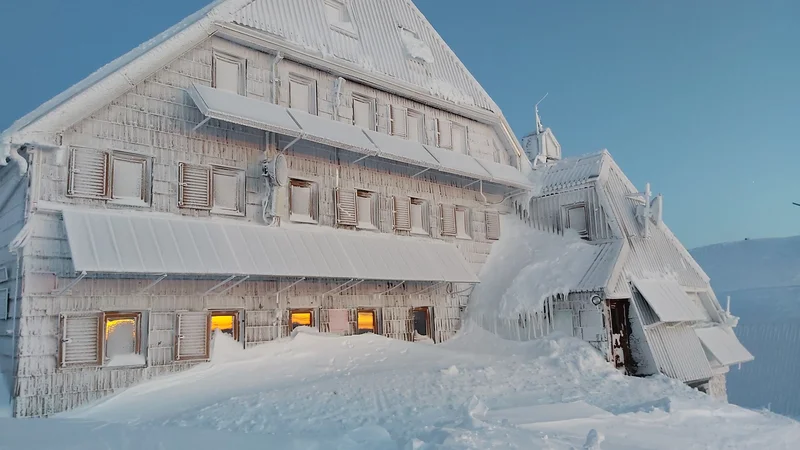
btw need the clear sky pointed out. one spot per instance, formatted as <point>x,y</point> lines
<point>700,98</point>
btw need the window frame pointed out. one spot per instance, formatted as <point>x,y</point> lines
<point>235,313</point>
<point>465,129</point>
<point>585,234</point>
<point>423,138</point>
<point>240,200</point>
<point>109,157</point>
<point>101,335</point>
<point>344,25</point>
<point>425,216</point>
<point>310,311</point>
<point>428,322</point>
<point>146,192</point>
<point>372,104</point>
<point>119,315</point>
<point>467,222</point>
<point>217,55</point>
<point>313,201</point>
<point>311,84</point>
<point>374,215</point>
<point>374,312</point>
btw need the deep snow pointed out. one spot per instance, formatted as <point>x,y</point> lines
<point>316,391</point>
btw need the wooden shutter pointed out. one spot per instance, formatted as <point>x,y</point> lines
<point>402,213</point>
<point>88,173</point>
<point>492,225</point>
<point>363,115</point>
<point>81,340</point>
<point>194,186</point>
<point>398,117</point>
<point>448,219</point>
<point>314,204</point>
<point>444,133</point>
<point>346,207</point>
<point>192,340</point>
<point>398,323</point>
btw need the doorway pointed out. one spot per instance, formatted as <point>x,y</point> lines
<point>620,335</point>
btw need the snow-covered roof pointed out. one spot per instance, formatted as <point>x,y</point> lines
<point>231,107</point>
<point>723,345</point>
<point>151,243</point>
<point>678,353</point>
<point>669,301</point>
<point>567,173</point>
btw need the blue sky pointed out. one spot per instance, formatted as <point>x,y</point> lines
<point>698,98</point>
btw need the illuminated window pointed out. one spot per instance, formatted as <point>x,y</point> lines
<point>227,322</point>
<point>301,318</point>
<point>366,322</point>
<point>122,339</point>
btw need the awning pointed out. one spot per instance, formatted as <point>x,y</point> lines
<point>723,345</point>
<point>231,107</point>
<point>669,301</point>
<point>678,353</point>
<point>153,243</point>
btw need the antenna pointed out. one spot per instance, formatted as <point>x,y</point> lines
<point>796,204</point>
<point>539,126</point>
<point>729,305</point>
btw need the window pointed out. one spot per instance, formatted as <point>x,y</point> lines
<point>4,297</point>
<point>492,225</point>
<point>447,215</point>
<point>302,94</point>
<point>401,210</point>
<point>228,194</point>
<point>339,17</point>
<point>422,324</point>
<point>366,322</point>
<point>444,134</point>
<point>301,318</point>
<point>459,138</point>
<point>367,210</point>
<point>123,339</point>
<point>194,186</point>
<point>415,123</point>
<point>576,220</point>
<point>419,216</point>
<point>192,339</point>
<point>346,207</point>
<point>228,73</point>
<point>227,322</point>
<point>115,176</point>
<point>95,339</point>
<point>364,112</point>
<point>397,121</point>
<point>303,201</point>
<point>463,228</point>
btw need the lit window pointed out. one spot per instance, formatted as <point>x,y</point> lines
<point>226,322</point>
<point>123,339</point>
<point>302,94</point>
<point>366,210</point>
<point>463,223</point>
<point>301,318</point>
<point>576,220</point>
<point>459,138</point>
<point>228,190</point>
<point>366,322</point>
<point>303,200</point>
<point>415,123</point>
<point>364,112</point>
<point>422,324</point>
<point>228,73</point>
<point>419,216</point>
<point>115,176</point>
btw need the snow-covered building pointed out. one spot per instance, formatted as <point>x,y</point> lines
<point>262,165</point>
<point>635,293</point>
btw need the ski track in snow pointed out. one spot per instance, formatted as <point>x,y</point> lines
<point>473,392</point>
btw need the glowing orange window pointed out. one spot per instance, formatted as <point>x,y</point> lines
<point>121,335</point>
<point>227,322</point>
<point>366,322</point>
<point>301,319</point>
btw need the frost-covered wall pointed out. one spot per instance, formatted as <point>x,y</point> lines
<point>156,119</point>
<point>547,212</point>
<point>13,190</point>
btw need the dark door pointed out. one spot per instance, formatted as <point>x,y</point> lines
<point>620,335</point>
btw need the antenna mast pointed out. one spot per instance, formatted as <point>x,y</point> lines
<point>539,126</point>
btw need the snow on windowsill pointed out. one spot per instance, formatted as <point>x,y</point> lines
<point>129,202</point>
<point>129,360</point>
<point>366,226</point>
<point>302,218</point>
<point>420,232</point>
<point>227,212</point>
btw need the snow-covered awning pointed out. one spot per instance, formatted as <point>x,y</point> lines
<point>669,301</point>
<point>234,108</point>
<point>723,345</point>
<point>152,243</point>
<point>677,352</point>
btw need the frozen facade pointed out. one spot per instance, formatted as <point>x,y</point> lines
<point>262,165</point>
<point>630,288</point>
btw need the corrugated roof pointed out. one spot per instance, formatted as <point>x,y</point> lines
<point>372,42</point>
<point>231,107</point>
<point>126,242</point>
<point>678,353</point>
<point>568,173</point>
<point>599,273</point>
<point>722,343</point>
<point>669,300</point>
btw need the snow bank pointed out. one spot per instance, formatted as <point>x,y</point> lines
<point>525,267</point>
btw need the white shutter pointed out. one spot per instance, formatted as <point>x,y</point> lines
<point>88,173</point>
<point>402,213</point>
<point>228,190</point>
<point>192,339</point>
<point>81,340</point>
<point>362,112</point>
<point>227,74</point>
<point>459,134</point>
<point>194,186</point>
<point>346,207</point>
<point>444,133</point>
<point>448,219</point>
<point>492,225</point>
<point>128,178</point>
<point>398,117</point>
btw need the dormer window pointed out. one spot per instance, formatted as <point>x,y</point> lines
<point>576,220</point>
<point>339,18</point>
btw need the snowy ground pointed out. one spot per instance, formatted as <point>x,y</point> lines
<point>367,392</point>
